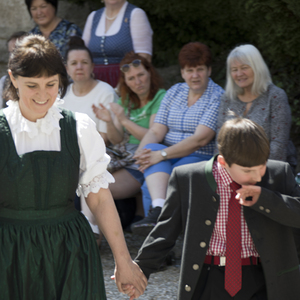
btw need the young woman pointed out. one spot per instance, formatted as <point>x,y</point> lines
<point>141,93</point>
<point>47,247</point>
<point>111,32</point>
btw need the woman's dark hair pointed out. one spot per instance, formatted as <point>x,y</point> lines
<point>54,3</point>
<point>194,54</point>
<point>76,43</point>
<point>155,80</point>
<point>35,56</point>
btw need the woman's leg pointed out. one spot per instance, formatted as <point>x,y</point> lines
<point>157,183</point>
<point>157,177</point>
<point>125,185</point>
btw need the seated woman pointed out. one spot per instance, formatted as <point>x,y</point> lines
<point>112,31</point>
<point>140,88</point>
<point>185,123</point>
<point>49,25</point>
<point>82,94</point>
<point>250,93</point>
<point>85,91</point>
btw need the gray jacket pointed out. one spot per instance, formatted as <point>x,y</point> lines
<point>192,205</point>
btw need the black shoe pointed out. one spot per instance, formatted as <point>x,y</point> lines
<point>137,218</point>
<point>144,226</point>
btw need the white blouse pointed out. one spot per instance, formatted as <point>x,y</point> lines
<point>140,29</point>
<point>44,134</point>
<point>102,93</point>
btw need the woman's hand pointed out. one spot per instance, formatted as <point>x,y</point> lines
<point>130,279</point>
<point>146,158</point>
<point>118,110</point>
<point>102,113</point>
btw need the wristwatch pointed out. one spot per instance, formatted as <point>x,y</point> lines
<point>163,154</point>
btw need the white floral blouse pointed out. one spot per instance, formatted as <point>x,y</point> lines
<point>44,134</point>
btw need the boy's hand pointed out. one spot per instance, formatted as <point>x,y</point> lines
<point>248,191</point>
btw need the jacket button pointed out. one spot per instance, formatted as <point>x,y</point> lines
<point>202,244</point>
<point>261,208</point>
<point>207,222</point>
<point>196,267</point>
<point>214,199</point>
<point>267,210</point>
<point>187,288</point>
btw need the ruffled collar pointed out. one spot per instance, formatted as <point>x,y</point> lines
<point>20,124</point>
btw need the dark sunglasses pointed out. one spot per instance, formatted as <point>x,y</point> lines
<point>136,63</point>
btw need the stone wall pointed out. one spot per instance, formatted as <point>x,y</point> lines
<point>14,17</point>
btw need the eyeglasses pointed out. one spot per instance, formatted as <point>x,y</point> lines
<point>136,63</point>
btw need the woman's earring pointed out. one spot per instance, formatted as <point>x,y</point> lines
<point>17,91</point>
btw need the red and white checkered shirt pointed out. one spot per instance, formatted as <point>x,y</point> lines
<point>217,245</point>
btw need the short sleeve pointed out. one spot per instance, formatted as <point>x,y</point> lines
<point>210,116</point>
<point>141,32</point>
<point>86,36</point>
<point>93,159</point>
<point>157,101</point>
<point>74,30</point>
<point>163,111</point>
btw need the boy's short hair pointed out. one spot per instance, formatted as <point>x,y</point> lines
<point>243,142</point>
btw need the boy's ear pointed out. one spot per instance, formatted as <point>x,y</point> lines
<point>221,161</point>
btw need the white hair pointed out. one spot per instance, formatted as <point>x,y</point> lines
<point>249,55</point>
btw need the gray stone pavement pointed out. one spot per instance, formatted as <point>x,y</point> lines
<point>161,285</point>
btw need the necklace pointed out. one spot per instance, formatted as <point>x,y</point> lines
<point>110,19</point>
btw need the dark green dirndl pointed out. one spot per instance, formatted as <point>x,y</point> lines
<point>47,248</point>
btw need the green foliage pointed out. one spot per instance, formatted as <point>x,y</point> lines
<point>271,25</point>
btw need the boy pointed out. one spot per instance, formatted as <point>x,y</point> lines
<point>259,216</point>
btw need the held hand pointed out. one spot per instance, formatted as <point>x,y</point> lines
<point>130,279</point>
<point>248,191</point>
<point>147,158</point>
<point>127,289</point>
<point>102,113</point>
<point>118,110</point>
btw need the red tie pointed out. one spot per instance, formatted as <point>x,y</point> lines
<point>233,268</point>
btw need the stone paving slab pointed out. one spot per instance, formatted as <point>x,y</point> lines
<point>161,285</point>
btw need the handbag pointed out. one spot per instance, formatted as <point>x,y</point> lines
<point>120,156</point>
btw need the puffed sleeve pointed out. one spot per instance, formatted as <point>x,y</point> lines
<point>93,159</point>
<point>141,32</point>
<point>86,35</point>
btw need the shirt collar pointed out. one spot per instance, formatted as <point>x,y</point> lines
<point>20,124</point>
<point>225,177</point>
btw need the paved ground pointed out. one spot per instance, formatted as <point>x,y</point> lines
<point>161,285</point>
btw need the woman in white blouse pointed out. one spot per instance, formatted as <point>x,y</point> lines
<point>44,152</point>
<point>114,30</point>
<point>85,91</point>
